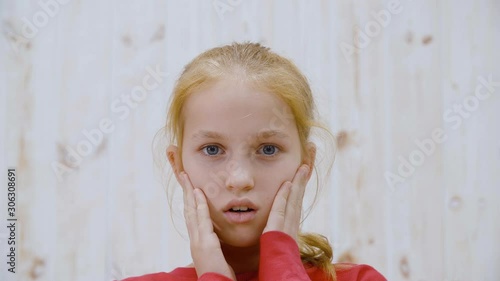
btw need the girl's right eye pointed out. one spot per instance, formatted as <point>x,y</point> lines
<point>211,150</point>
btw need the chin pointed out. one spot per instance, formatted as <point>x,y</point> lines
<point>240,239</point>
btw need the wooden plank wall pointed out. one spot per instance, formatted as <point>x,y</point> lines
<point>401,93</point>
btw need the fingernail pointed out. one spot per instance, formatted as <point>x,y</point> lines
<point>305,169</point>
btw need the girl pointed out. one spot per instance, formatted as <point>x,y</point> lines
<point>241,117</point>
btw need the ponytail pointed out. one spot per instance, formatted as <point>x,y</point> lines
<point>316,251</point>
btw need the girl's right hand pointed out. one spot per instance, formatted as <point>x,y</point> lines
<point>205,246</point>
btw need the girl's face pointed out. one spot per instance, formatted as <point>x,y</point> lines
<point>239,146</point>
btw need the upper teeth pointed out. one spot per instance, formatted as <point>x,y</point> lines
<point>240,208</point>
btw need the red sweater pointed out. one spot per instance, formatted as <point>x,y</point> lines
<point>279,261</point>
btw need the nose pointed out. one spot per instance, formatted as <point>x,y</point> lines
<point>239,177</point>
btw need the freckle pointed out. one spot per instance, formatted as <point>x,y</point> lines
<point>454,86</point>
<point>404,267</point>
<point>347,257</point>
<point>371,241</point>
<point>427,39</point>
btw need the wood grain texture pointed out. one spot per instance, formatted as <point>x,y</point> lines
<point>413,69</point>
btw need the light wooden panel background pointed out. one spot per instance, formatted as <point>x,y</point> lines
<point>108,217</point>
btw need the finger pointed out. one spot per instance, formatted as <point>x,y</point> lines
<point>294,204</point>
<point>298,187</point>
<point>205,226</point>
<point>189,206</point>
<point>276,220</point>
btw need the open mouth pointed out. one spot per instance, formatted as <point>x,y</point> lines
<point>240,214</point>
<point>240,209</point>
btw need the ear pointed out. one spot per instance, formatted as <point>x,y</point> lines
<point>310,157</point>
<point>174,158</point>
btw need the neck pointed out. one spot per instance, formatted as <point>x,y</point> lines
<point>242,259</point>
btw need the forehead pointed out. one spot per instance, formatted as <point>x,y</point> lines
<point>234,107</point>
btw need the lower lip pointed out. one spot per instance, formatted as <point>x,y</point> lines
<point>240,217</point>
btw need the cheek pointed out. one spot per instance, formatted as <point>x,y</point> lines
<point>276,178</point>
<point>203,176</point>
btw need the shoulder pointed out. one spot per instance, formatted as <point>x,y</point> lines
<point>358,272</point>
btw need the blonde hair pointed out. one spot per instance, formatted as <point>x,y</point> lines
<point>266,70</point>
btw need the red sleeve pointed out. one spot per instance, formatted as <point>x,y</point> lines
<point>172,276</point>
<point>280,258</point>
<point>361,272</point>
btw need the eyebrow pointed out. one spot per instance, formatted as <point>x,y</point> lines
<point>202,134</point>
<point>272,133</point>
<point>208,135</point>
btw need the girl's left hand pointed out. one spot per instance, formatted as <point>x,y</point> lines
<point>286,211</point>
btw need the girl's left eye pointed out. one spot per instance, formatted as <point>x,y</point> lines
<point>269,150</point>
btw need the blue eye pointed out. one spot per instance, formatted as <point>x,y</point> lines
<point>270,150</point>
<point>211,150</point>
